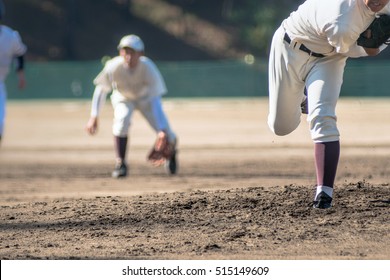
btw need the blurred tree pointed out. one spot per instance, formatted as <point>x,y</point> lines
<point>70,26</point>
<point>86,29</point>
<point>252,21</point>
<point>257,20</point>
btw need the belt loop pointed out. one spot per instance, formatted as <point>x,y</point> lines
<point>302,47</point>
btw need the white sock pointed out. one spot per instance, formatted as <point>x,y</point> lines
<point>325,189</point>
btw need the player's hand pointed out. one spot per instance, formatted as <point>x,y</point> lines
<point>92,125</point>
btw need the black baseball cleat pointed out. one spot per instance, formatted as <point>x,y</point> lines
<point>120,170</point>
<point>323,201</point>
<point>171,164</point>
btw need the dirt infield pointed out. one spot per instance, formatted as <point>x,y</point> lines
<point>241,193</point>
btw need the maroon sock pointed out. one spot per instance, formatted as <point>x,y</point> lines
<point>120,147</point>
<point>326,159</point>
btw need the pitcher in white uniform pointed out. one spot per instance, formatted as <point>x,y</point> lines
<point>11,48</point>
<point>136,84</point>
<point>308,55</point>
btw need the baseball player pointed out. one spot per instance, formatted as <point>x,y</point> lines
<point>136,84</point>
<point>308,54</point>
<point>11,47</point>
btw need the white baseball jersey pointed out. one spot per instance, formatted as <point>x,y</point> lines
<point>11,46</point>
<point>328,27</point>
<point>331,26</point>
<point>133,84</point>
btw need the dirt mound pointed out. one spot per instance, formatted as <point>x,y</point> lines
<point>256,223</point>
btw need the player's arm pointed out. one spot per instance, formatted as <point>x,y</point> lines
<point>98,100</point>
<point>20,71</point>
<point>154,80</point>
<point>345,42</point>
<point>372,51</point>
<point>102,88</point>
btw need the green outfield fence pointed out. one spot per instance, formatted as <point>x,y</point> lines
<point>73,80</point>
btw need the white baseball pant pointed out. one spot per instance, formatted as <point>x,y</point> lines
<point>290,71</point>
<point>151,108</point>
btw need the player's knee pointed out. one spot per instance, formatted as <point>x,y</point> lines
<point>280,129</point>
<point>120,131</point>
<point>121,127</point>
<point>279,132</point>
<point>324,129</point>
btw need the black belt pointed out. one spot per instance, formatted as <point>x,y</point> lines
<point>303,48</point>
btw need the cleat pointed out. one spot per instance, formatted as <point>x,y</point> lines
<point>171,164</point>
<point>120,170</point>
<point>322,201</point>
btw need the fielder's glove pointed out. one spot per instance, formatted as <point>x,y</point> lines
<point>376,34</point>
<point>162,150</point>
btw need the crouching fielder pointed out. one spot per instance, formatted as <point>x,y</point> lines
<point>136,84</point>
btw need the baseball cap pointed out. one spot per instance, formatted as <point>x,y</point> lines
<point>132,41</point>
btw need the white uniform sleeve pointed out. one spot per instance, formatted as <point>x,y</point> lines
<point>383,47</point>
<point>358,51</point>
<point>155,81</point>
<point>18,47</point>
<point>103,80</point>
<point>98,100</point>
<point>341,40</point>
<point>103,85</point>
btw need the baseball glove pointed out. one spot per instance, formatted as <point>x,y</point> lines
<point>376,34</point>
<point>162,150</point>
